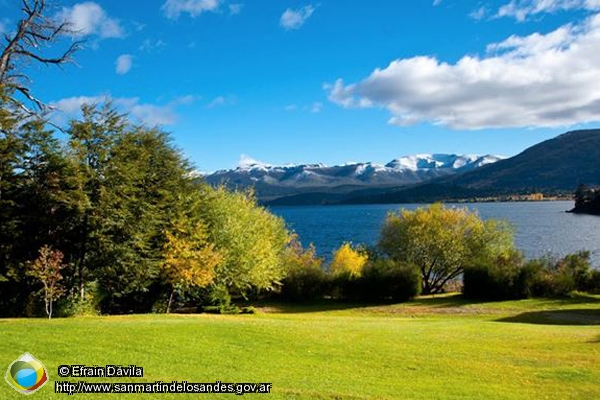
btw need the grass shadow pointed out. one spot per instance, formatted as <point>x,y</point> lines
<point>309,307</point>
<point>556,317</point>
<point>453,300</point>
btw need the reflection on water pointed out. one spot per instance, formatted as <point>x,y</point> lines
<point>540,228</point>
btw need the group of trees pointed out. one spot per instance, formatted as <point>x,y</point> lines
<point>435,249</point>
<point>587,200</point>
<point>132,225</point>
<point>110,217</point>
<point>421,251</point>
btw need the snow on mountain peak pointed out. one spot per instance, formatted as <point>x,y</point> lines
<point>247,162</point>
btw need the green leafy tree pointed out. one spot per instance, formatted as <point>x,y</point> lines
<point>441,241</point>
<point>34,202</point>
<point>145,179</point>
<point>47,269</point>
<point>90,143</point>
<point>251,240</point>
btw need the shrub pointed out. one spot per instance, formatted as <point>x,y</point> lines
<point>593,285</point>
<point>558,278</point>
<point>345,286</point>
<point>509,277</point>
<point>500,278</point>
<point>75,306</point>
<point>386,280</point>
<point>305,278</point>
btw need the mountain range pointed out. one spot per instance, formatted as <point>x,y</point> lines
<point>557,165</point>
<point>276,181</point>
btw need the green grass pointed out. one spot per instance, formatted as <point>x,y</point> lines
<point>431,348</point>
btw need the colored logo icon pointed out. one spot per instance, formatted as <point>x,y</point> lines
<point>27,374</point>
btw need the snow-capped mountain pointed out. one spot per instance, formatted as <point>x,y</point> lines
<point>276,180</point>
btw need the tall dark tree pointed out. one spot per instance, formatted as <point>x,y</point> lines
<point>146,178</point>
<point>90,144</point>
<point>29,42</point>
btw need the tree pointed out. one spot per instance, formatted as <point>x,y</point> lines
<point>347,260</point>
<point>27,43</point>
<point>251,240</point>
<point>90,144</point>
<point>34,32</point>
<point>441,241</point>
<point>146,189</point>
<point>47,269</point>
<point>189,260</point>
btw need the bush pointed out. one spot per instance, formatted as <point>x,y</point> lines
<point>381,280</point>
<point>75,306</point>
<point>305,280</point>
<point>386,280</point>
<point>558,278</point>
<point>509,277</point>
<point>593,285</point>
<point>501,278</point>
<point>345,286</point>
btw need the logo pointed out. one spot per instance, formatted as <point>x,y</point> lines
<point>27,374</point>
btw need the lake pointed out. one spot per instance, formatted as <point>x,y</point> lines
<point>540,227</point>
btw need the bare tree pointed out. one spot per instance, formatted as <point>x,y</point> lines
<point>26,44</point>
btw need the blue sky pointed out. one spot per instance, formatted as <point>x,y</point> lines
<point>334,81</point>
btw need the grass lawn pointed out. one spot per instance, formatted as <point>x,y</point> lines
<point>430,348</point>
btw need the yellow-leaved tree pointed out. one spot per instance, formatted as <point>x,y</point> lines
<point>442,241</point>
<point>189,258</point>
<point>348,260</point>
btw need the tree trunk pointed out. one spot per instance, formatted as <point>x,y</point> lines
<point>170,301</point>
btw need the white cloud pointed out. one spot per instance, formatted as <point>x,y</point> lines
<point>89,18</point>
<point>437,2</point>
<point>72,105</point>
<point>294,19</point>
<point>522,9</point>
<point>235,9</point>
<point>479,13</point>
<point>174,8</point>
<point>316,107</point>
<point>538,80</point>
<point>123,64</point>
<point>150,45</point>
<point>150,114</point>
<point>291,107</point>
<point>222,101</point>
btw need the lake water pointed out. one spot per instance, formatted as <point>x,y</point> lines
<point>540,227</point>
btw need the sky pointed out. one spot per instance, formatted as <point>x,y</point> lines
<point>332,81</point>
